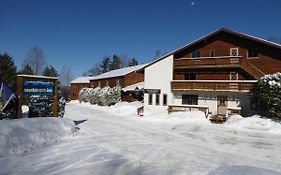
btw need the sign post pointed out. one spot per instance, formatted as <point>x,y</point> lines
<point>30,85</point>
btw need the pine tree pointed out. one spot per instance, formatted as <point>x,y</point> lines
<point>133,62</point>
<point>27,70</point>
<point>116,63</point>
<point>50,71</point>
<point>105,65</point>
<point>8,70</point>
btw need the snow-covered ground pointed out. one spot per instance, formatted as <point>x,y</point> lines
<point>114,140</point>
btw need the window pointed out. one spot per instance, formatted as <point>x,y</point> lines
<point>157,99</point>
<point>195,54</point>
<point>233,76</point>
<point>252,53</point>
<point>212,53</point>
<point>190,99</point>
<point>189,76</point>
<point>164,99</point>
<point>149,99</point>
<point>234,52</point>
<point>117,82</point>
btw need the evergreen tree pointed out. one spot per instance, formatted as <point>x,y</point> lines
<point>50,71</point>
<point>27,70</point>
<point>133,62</point>
<point>8,70</point>
<point>105,65</point>
<point>116,63</point>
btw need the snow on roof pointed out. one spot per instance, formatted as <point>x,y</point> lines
<point>134,87</point>
<point>118,72</point>
<point>81,80</point>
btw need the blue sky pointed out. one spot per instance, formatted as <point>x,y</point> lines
<point>79,33</point>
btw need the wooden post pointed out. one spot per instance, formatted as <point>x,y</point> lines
<point>20,95</point>
<point>55,102</point>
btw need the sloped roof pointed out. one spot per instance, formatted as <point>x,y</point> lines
<point>118,72</point>
<point>257,39</point>
<point>81,80</point>
<point>133,87</point>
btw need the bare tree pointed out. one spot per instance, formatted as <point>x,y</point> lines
<point>65,76</point>
<point>35,59</point>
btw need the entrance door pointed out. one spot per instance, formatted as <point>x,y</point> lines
<point>222,105</point>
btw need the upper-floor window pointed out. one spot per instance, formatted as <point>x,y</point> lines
<point>233,76</point>
<point>252,53</point>
<point>234,52</point>
<point>195,54</point>
<point>189,76</point>
<point>212,53</point>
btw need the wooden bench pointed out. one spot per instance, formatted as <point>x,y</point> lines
<point>183,108</point>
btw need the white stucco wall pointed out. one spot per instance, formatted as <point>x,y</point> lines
<point>159,76</point>
<point>210,99</point>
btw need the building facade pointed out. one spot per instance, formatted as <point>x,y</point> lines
<point>76,85</point>
<point>217,71</point>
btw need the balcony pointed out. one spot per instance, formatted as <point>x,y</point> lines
<point>212,85</point>
<point>208,62</point>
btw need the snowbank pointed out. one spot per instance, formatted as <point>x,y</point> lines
<point>243,170</point>
<point>255,123</point>
<point>22,135</point>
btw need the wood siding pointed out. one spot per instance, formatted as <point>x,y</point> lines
<point>75,88</point>
<point>222,64</point>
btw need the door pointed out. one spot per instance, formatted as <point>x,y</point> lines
<point>222,105</point>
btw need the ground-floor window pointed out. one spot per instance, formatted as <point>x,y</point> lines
<point>149,99</point>
<point>157,100</point>
<point>189,99</point>
<point>164,99</point>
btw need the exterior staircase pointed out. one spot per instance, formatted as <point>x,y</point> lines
<point>251,69</point>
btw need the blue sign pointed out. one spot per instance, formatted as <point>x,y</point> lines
<point>38,88</point>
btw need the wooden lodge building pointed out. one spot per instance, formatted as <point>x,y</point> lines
<point>215,72</point>
<point>128,78</point>
<point>76,85</point>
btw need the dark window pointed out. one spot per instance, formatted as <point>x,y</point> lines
<point>189,76</point>
<point>190,99</point>
<point>222,100</point>
<point>252,53</point>
<point>164,99</point>
<point>212,53</point>
<point>149,99</point>
<point>157,99</point>
<point>195,54</point>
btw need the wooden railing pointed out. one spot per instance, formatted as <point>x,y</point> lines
<point>212,85</point>
<point>251,69</point>
<point>182,108</point>
<point>207,61</point>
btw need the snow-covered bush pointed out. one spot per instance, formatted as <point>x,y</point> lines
<point>104,97</point>
<point>268,94</point>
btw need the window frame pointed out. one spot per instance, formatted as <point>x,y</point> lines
<point>212,51</point>
<point>234,48</point>
<point>196,54</point>
<point>150,99</point>
<point>190,99</point>
<point>157,99</point>
<point>252,57</point>
<point>165,99</point>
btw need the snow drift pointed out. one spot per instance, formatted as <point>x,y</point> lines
<point>22,135</point>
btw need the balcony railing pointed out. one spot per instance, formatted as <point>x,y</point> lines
<point>213,85</point>
<point>222,61</point>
